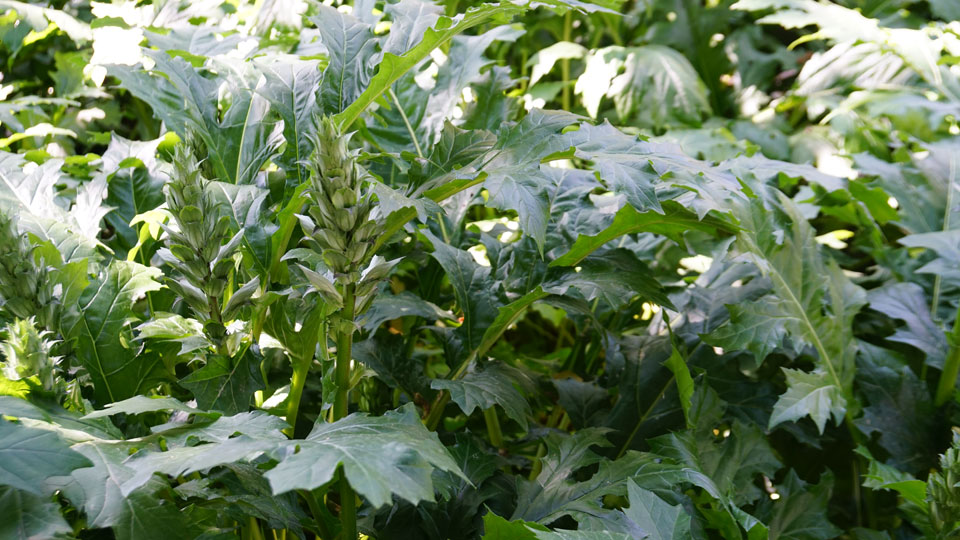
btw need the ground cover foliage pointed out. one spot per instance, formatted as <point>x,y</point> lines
<point>551,269</point>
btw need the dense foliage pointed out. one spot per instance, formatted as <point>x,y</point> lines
<point>536,269</point>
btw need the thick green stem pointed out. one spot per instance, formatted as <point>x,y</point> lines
<point>299,378</point>
<point>348,510</point>
<point>341,403</point>
<point>254,525</point>
<point>951,367</point>
<point>436,410</point>
<point>493,427</point>
<point>344,354</point>
<point>566,95</point>
<point>318,514</point>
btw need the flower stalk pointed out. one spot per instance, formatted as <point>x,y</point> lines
<point>342,227</point>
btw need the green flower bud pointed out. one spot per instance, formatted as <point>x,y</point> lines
<point>26,352</point>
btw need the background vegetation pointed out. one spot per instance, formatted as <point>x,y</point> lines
<point>539,269</point>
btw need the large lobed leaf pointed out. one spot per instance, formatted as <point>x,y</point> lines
<point>97,325</point>
<point>380,456</point>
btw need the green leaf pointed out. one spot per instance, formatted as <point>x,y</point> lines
<point>900,411</point>
<point>681,373</point>
<point>381,456</point>
<point>296,326</point>
<point>28,516</point>
<point>31,456</point>
<point>291,88</point>
<point>726,467</point>
<point>659,520</point>
<point>350,47</point>
<point>758,327</point>
<point>189,459</point>
<point>168,326</point>
<point>801,512</point>
<point>474,290</point>
<point>462,70</point>
<point>33,196</point>
<point>142,404</point>
<point>614,276</point>
<point>246,207</point>
<point>654,83</point>
<point>392,67</point>
<point>385,354</point>
<point>582,401</point>
<point>240,135</point>
<point>946,244</point>
<point>98,323</point>
<point>37,18</point>
<point>543,61</point>
<point>809,394</point>
<point>672,223</point>
<point>622,161</point>
<point>497,528</point>
<point>514,176</point>
<point>881,476</point>
<point>556,492</point>
<point>484,389</point>
<point>97,490</point>
<point>55,416</point>
<point>387,307</point>
<point>907,302</point>
<point>804,284</point>
<point>134,185</point>
<point>226,384</point>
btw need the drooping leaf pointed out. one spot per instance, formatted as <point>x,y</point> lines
<point>142,404</point>
<point>31,456</point>
<point>487,388</point>
<point>673,222</point>
<point>381,456</point>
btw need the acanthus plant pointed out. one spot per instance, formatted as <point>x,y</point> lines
<point>350,281</point>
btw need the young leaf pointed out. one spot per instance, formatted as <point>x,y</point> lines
<point>811,394</point>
